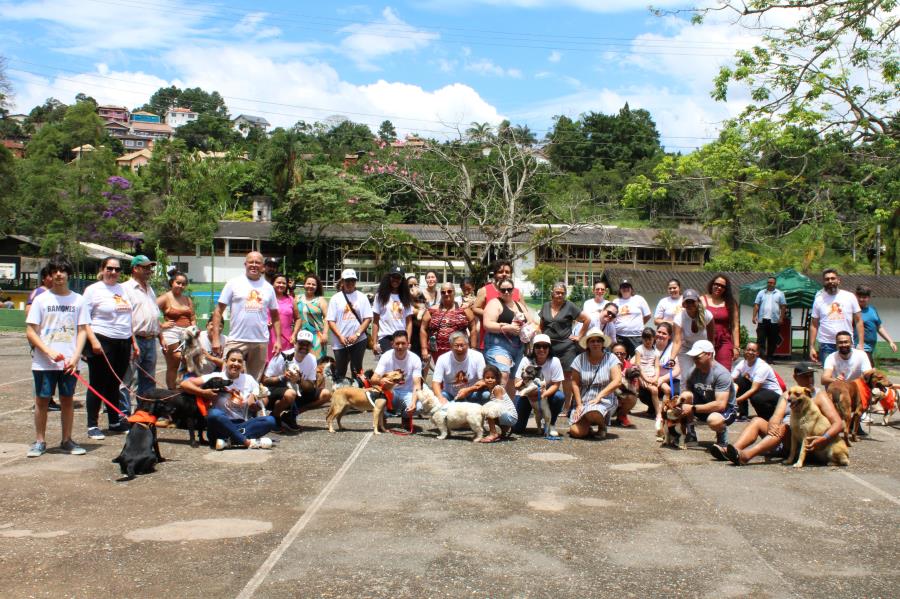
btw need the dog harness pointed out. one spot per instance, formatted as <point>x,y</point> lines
<point>865,392</point>
<point>142,417</point>
<point>889,401</point>
<point>374,393</point>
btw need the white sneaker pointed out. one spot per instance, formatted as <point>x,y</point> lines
<point>261,443</point>
<point>553,433</point>
<point>864,417</point>
<point>222,444</point>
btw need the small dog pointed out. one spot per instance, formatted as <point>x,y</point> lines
<point>294,370</point>
<point>807,423</point>
<point>189,412</point>
<point>192,352</point>
<point>852,398</point>
<point>363,400</point>
<point>540,406</point>
<point>672,417</point>
<point>631,384</point>
<point>140,454</point>
<point>455,415</point>
<point>527,331</point>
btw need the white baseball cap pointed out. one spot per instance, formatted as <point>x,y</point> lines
<point>304,336</point>
<point>348,273</point>
<point>542,338</point>
<point>701,347</point>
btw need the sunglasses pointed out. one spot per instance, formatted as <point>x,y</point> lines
<point>541,347</point>
<point>718,285</point>
<point>506,290</point>
<point>611,313</point>
<point>113,269</point>
<point>446,293</point>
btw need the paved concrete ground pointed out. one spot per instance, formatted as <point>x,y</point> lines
<point>355,515</point>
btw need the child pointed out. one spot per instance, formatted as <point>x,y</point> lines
<point>500,410</point>
<point>647,359</point>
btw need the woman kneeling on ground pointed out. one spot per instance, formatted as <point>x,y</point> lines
<point>228,421</point>
<point>596,374</point>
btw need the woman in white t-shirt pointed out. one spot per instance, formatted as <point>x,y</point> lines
<point>392,309</point>
<point>670,306</point>
<point>693,324</point>
<point>349,315</point>
<point>112,345</point>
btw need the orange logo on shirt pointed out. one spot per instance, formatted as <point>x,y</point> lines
<point>348,313</point>
<point>396,309</point>
<point>624,311</point>
<point>122,304</point>
<point>836,312</point>
<point>254,301</point>
<point>461,379</point>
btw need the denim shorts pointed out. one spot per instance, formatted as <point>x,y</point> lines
<point>47,381</point>
<point>502,346</point>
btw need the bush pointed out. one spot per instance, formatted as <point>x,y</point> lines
<point>543,276</point>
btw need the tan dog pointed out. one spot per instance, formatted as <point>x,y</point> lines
<point>807,423</point>
<point>363,400</point>
<point>852,398</point>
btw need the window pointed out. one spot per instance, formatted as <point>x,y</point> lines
<point>238,247</point>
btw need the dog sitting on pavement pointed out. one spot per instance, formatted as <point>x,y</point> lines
<point>808,423</point>
<point>140,454</point>
<point>373,398</point>
<point>453,415</point>
<point>852,398</point>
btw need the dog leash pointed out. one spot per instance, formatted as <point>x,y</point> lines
<point>97,393</point>
<point>130,390</point>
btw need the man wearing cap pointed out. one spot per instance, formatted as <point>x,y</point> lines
<point>144,323</point>
<point>709,394</point>
<point>349,315</point>
<point>833,310</point>
<point>252,302</point>
<point>400,358</point>
<point>284,400</point>
<point>774,433</point>
<point>551,372</point>
<point>768,312</point>
<point>634,312</point>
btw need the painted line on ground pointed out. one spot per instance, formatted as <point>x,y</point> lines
<point>871,487</point>
<point>30,378</point>
<point>298,527</point>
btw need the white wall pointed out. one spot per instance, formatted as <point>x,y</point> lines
<point>200,269</point>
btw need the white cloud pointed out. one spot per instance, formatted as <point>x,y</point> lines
<point>487,67</point>
<point>85,27</point>
<point>597,6</point>
<point>446,66</point>
<point>251,26</point>
<point>555,56</point>
<point>365,43</point>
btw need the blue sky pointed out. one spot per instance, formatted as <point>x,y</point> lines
<point>431,67</point>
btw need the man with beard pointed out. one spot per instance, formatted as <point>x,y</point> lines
<point>847,364</point>
<point>284,401</point>
<point>834,310</point>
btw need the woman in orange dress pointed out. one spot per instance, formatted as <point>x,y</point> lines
<point>178,314</point>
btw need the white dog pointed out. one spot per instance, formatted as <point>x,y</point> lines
<point>192,352</point>
<point>527,331</point>
<point>532,382</point>
<point>293,369</point>
<point>454,415</point>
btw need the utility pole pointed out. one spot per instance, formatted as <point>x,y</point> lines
<point>877,250</point>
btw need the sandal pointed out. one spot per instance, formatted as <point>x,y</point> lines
<point>718,452</point>
<point>733,455</point>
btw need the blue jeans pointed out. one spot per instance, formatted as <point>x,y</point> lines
<point>401,402</point>
<point>220,426</point>
<point>147,361</point>
<point>825,350</point>
<point>479,397</point>
<point>523,407</point>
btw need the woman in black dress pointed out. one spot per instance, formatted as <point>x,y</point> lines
<point>558,317</point>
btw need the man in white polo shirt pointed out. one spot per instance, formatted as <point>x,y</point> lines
<point>252,302</point>
<point>144,323</point>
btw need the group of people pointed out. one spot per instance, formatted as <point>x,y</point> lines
<point>584,356</point>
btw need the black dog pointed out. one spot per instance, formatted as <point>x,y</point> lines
<point>141,451</point>
<point>185,412</point>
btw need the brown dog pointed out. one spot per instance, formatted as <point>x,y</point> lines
<point>852,398</point>
<point>671,414</point>
<point>807,423</point>
<point>363,400</point>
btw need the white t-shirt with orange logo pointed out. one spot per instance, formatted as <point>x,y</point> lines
<point>342,316</point>
<point>110,310</point>
<point>835,314</point>
<point>250,302</point>
<point>391,316</point>
<point>630,321</point>
<point>456,374</point>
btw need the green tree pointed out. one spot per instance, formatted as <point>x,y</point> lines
<point>386,132</point>
<point>196,99</point>
<point>209,132</point>
<point>8,184</point>
<point>346,138</point>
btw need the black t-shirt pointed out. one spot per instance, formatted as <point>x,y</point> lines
<point>559,328</point>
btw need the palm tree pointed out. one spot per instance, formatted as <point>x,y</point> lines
<point>479,132</point>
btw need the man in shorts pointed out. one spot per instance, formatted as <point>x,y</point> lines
<point>709,394</point>
<point>56,327</point>
<point>286,404</point>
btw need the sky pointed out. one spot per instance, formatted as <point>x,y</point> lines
<point>431,67</point>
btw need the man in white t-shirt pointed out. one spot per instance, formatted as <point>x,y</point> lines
<point>756,383</point>
<point>286,404</point>
<point>833,310</point>
<point>56,328</point>
<point>348,317</point>
<point>400,358</point>
<point>847,363</point>
<point>252,302</point>
<point>144,323</point>
<point>457,373</point>
<point>634,312</point>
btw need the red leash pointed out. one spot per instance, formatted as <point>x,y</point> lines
<point>97,393</point>
<point>402,433</point>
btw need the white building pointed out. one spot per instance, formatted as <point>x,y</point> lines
<point>243,123</point>
<point>176,117</point>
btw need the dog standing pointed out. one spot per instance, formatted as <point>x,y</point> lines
<point>373,399</point>
<point>192,352</point>
<point>852,398</point>
<point>807,423</point>
<point>672,417</point>
<point>454,415</point>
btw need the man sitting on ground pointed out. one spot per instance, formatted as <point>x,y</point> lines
<point>284,401</point>
<point>457,373</point>
<point>774,433</point>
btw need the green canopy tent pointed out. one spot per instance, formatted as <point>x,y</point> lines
<point>799,292</point>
